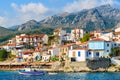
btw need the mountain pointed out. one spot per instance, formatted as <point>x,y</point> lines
<point>29,25</point>
<point>102,17</point>
<point>4,31</point>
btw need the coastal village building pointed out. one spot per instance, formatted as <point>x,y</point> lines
<point>78,54</point>
<point>45,56</point>
<point>9,47</point>
<point>53,51</point>
<point>34,40</point>
<point>37,55</point>
<point>100,45</point>
<point>107,35</point>
<point>99,48</point>
<point>58,37</point>
<point>26,55</point>
<point>77,34</point>
<point>67,39</point>
<point>117,29</point>
<point>64,51</point>
<point>97,33</point>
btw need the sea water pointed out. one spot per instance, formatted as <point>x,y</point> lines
<point>6,75</point>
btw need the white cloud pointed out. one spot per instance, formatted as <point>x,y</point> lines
<point>6,21</point>
<point>2,19</point>
<point>30,11</point>
<point>26,12</point>
<point>86,4</point>
<point>38,11</point>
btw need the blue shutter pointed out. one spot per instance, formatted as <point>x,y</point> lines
<point>79,54</point>
<point>97,53</point>
<point>89,53</point>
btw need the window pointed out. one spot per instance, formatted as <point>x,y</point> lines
<point>107,45</point>
<point>97,53</point>
<point>89,53</point>
<point>79,54</point>
<point>114,44</point>
<point>49,52</point>
<point>73,53</point>
<point>107,50</point>
<point>66,49</point>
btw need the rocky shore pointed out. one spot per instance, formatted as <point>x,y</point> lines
<point>68,70</point>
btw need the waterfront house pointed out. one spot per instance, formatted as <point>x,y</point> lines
<point>99,48</point>
<point>37,55</point>
<point>26,55</point>
<point>45,56</point>
<point>78,54</point>
<point>64,51</point>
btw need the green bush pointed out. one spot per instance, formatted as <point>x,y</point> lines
<point>85,38</point>
<point>54,59</point>
<point>3,55</point>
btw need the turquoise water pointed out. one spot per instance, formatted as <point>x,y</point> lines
<point>61,76</point>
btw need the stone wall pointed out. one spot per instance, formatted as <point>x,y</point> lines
<point>76,67</point>
<point>100,63</point>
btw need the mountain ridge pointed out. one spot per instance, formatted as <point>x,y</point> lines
<point>101,17</point>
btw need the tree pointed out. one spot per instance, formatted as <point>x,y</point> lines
<point>85,38</point>
<point>3,55</point>
<point>54,59</point>
<point>114,52</point>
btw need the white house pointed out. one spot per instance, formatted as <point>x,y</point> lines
<point>97,33</point>
<point>37,55</point>
<point>117,29</point>
<point>107,35</point>
<point>79,54</point>
<point>67,37</point>
<point>53,51</point>
<point>77,34</point>
<point>9,47</point>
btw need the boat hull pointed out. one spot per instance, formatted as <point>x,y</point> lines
<point>31,72</point>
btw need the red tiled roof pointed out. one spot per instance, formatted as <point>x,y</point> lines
<point>26,36</point>
<point>116,33</point>
<point>57,30</point>
<point>81,48</point>
<point>107,30</point>
<point>32,36</point>
<point>98,31</point>
<point>66,45</point>
<point>115,39</point>
<point>11,44</point>
<point>37,35</point>
<point>98,39</point>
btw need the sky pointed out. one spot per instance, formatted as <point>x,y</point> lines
<point>16,12</point>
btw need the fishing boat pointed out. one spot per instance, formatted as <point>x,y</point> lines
<point>29,71</point>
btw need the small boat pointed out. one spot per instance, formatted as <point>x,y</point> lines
<point>29,71</point>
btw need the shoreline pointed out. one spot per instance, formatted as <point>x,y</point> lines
<point>62,71</point>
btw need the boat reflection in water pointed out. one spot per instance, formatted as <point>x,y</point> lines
<point>30,71</point>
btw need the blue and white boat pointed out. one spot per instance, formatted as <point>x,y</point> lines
<point>29,71</point>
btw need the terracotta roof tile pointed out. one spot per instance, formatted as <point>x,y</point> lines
<point>98,39</point>
<point>116,33</point>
